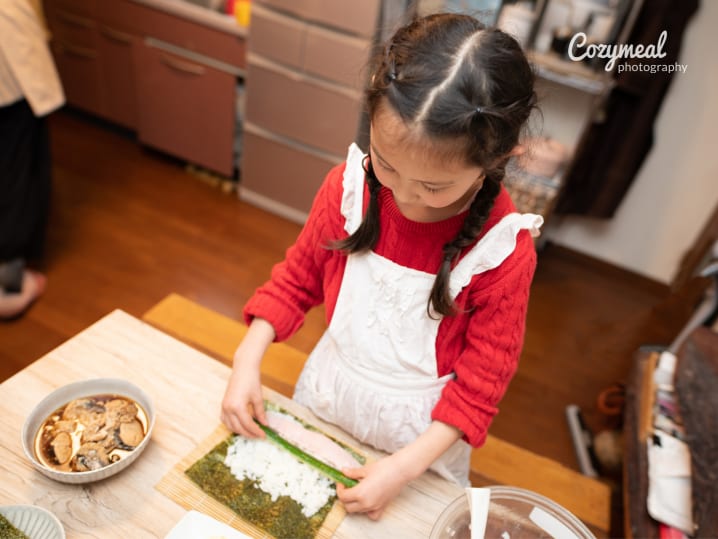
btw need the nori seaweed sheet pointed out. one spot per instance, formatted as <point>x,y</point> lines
<point>282,518</point>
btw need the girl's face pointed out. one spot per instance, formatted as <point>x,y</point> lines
<point>425,188</point>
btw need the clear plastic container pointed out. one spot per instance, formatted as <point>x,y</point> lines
<point>514,513</point>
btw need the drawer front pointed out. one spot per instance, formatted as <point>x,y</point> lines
<point>81,7</point>
<point>336,57</point>
<point>122,15</point>
<point>282,172</point>
<point>119,90</point>
<point>186,109</point>
<point>277,37</point>
<point>73,28</point>
<point>358,18</point>
<point>309,48</point>
<point>222,46</point>
<point>302,109</point>
<point>79,70</point>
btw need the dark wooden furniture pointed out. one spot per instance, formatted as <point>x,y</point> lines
<point>696,385</point>
<point>637,422</point>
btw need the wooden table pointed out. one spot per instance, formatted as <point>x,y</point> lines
<point>186,386</point>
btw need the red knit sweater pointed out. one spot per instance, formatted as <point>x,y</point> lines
<point>481,345</point>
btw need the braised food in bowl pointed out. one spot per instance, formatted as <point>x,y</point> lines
<point>88,430</point>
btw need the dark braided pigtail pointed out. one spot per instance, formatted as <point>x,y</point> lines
<point>440,300</point>
<point>366,235</point>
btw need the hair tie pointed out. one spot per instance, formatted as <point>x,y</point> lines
<point>366,163</point>
<point>390,62</point>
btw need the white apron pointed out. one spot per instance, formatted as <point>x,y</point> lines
<point>374,371</point>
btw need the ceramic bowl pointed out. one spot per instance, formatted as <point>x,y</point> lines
<point>64,395</point>
<point>33,521</point>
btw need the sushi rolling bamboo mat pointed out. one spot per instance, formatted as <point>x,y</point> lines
<point>180,488</point>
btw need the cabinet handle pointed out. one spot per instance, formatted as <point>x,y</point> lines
<point>116,35</point>
<point>184,67</point>
<point>75,20</point>
<point>82,52</point>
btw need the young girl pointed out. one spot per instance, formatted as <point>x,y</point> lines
<point>420,258</point>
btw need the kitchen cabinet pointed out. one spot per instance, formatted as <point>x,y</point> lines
<point>118,40</point>
<point>280,175</point>
<point>117,76</point>
<point>75,48</point>
<point>186,107</point>
<point>166,70</point>
<point>304,97</point>
<point>80,74</point>
<point>94,59</point>
<point>302,108</point>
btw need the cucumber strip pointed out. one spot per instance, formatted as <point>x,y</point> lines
<point>331,473</point>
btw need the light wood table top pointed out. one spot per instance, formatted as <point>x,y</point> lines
<point>186,387</point>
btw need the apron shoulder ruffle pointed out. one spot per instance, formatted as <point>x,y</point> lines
<point>353,189</point>
<point>493,248</point>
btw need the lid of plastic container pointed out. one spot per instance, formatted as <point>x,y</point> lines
<point>510,513</point>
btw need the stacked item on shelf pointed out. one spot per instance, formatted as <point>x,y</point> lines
<point>670,499</point>
<point>533,179</point>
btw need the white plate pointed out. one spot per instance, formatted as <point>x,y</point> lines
<point>33,521</point>
<point>196,525</point>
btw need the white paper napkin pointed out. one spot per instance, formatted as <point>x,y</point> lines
<point>196,525</point>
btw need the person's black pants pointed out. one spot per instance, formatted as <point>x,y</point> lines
<point>25,183</point>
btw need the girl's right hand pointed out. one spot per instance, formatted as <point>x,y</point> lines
<point>243,401</point>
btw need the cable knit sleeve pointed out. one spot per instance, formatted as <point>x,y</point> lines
<point>296,283</point>
<point>484,344</point>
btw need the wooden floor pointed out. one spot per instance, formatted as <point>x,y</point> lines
<point>129,226</point>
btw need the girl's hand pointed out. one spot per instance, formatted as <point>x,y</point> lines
<point>243,401</point>
<point>381,482</point>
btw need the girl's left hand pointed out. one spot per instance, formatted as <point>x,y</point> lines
<point>380,482</point>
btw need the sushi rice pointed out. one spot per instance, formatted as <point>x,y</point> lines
<point>278,473</point>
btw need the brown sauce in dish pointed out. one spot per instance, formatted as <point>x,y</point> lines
<point>90,433</point>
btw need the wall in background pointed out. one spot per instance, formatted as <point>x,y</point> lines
<point>677,187</point>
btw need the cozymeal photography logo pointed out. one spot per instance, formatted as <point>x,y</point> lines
<point>580,49</point>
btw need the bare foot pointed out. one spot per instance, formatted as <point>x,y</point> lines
<point>13,305</point>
